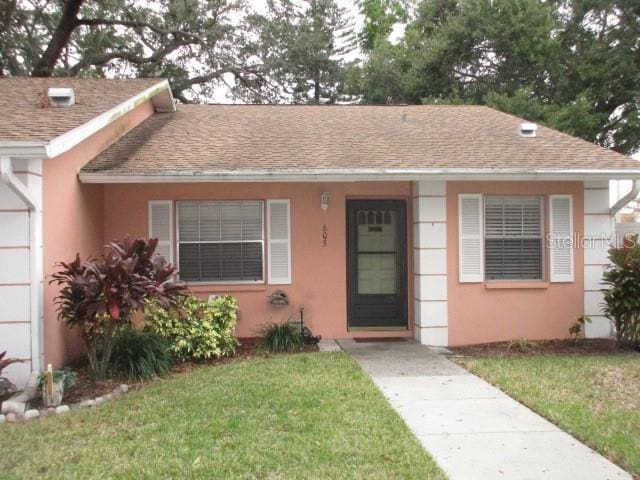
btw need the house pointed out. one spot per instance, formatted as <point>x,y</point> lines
<point>451,224</point>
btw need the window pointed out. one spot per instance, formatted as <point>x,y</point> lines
<point>221,241</point>
<point>513,238</point>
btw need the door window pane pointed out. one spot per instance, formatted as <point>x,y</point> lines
<point>376,244</point>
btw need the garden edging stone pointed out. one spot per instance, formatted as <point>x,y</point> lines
<point>26,415</point>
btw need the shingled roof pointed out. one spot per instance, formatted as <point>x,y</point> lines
<point>263,139</point>
<point>23,117</point>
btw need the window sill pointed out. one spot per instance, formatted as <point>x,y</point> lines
<point>204,287</point>
<point>522,285</point>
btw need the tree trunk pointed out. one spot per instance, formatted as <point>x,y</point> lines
<point>60,39</point>
<point>316,87</point>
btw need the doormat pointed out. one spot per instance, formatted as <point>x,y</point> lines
<point>378,339</point>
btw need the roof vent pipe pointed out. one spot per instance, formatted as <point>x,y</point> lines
<point>528,129</point>
<point>629,197</point>
<point>62,97</point>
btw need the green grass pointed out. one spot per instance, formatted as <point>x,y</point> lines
<point>290,416</point>
<point>595,398</point>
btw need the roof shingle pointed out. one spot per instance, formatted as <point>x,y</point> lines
<point>23,119</point>
<point>231,138</point>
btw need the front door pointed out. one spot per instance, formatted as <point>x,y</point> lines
<point>377,264</point>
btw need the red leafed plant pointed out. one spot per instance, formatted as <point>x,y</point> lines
<point>6,386</point>
<point>100,295</point>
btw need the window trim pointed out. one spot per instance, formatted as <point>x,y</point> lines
<point>220,282</point>
<point>543,256</point>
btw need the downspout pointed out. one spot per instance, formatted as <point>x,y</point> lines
<point>36,293</point>
<point>632,195</point>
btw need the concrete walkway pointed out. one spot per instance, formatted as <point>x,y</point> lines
<point>472,429</point>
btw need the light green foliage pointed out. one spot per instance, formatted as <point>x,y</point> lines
<point>197,329</point>
<point>622,295</point>
<point>139,354</point>
<point>306,416</point>
<point>379,19</point>
<point>594,398</point>
<point>282,337</point>
<point>65,375</point>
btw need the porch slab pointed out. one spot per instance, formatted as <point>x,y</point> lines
<point>472,429</point>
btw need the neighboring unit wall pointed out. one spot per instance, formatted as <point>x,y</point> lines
<point>319,277</point>
<point>73,223</point>
<point>21,272</point>
<point>430,262</point>
<point>598,230</point>
<point>501,311</point>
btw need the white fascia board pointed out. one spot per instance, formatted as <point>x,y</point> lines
<point>359,175</point>
<point>159,94</point>
<point>70,139</point>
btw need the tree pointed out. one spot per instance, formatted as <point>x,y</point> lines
<point>301,47</point>
<point>379,18</point>
<point>99,296</point>
<point>572,65</point>
<point>197,44</point>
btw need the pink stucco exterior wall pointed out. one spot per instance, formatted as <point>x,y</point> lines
<point>73,223</point>
<point>478,313</point>
<point>318,273</point>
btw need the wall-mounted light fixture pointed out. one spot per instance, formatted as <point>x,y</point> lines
<point>324,201</point>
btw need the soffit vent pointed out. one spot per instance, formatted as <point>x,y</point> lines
<point>528,129</point>
<point>62,97</point>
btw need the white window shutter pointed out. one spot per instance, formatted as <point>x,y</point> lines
<point>470,244</point>
<point>161,227</point>
<point>279,240</point>
<point>561,238</point>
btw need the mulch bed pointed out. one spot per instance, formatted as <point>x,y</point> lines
<point>591,346</point>
<point>86,387</point>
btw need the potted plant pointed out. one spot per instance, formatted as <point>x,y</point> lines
<point>53,384</point>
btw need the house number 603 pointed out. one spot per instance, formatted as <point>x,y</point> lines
<point>325,234</point>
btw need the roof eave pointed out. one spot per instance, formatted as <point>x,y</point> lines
<point>70,139</point>
<point>350,175</point>
<point>159,94</point>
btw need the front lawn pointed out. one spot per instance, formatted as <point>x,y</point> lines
<point>596,398</point>
<point>290,416</point>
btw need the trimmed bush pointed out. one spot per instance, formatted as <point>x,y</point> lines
<point>622,297</point>
<point>196,329</point>
<point>282,337</point>
<point>139,354</point>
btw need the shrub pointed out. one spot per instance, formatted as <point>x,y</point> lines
<point>622,297</point>
<point>195,328</point>
<point>576,330</point>
<point>139,354</point>
<point>65,375</point>
<point>100,295</point>
<point>6,387</point>
<point>282,337</point>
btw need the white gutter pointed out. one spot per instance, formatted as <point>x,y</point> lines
<point>353,175</point>
<point>8,177</point>
<point>159,94</point>
<point>629,197</point>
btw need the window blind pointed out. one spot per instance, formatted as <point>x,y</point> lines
<point>513,238</point>
<point>220,241</point>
